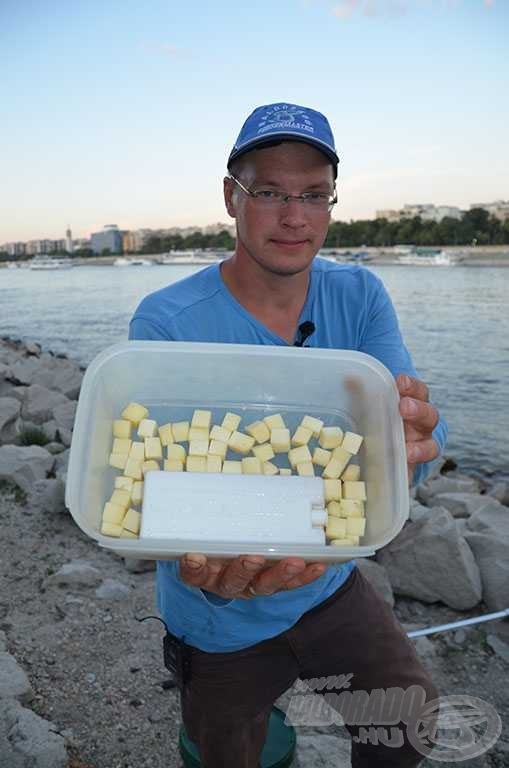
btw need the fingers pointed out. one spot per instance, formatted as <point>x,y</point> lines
<point>289,573</point>
<point>410,387</point>
<point>421,451</point>
<point>419,414</point>
<point>226,578</point>
<point>239,574</point>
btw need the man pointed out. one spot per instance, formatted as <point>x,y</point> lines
<point>252,627</point>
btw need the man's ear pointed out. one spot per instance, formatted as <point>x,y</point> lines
<point>228,187</point>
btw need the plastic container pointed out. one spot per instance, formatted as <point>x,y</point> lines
<point>343,388</point>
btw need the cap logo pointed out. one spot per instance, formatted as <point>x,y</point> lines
<point>285,116</point>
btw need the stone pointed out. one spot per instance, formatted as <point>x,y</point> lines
<point>461,525</point>
<point>33,348</point>
<point>65,436</point>
<point>459,504</point>
<point>445,484</point>
<point>321,751</point>
<point>50,428</point>
<point>23,465</point>
<point>78,573</point>
<point>135,565</point>
<point>417,511</point>
<point>55,448</point>
<point>498,645</point>
<point>13,681</point>
<point>10,409</point>
<point>61,464</point>
<point>57,374</point>
<point>492,557</point>
<point>40,402</point>
<point>430,561</point>
<point>491,518</point>
<point>377,577</point>
<point>3,641</point>
<point>48,495</point>
<point>64,415</point>
<point>29,741</point>
<point>500,492</point>
<point>111,589</point>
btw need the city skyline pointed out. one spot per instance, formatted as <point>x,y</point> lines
<point>118,113</point>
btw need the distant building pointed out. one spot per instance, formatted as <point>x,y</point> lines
<point>14,249</point>
<point>390,214</point>
<point>426,211</point>
<point>499,208</point>
<point>108,239</point>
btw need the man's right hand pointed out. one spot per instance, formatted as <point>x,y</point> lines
<point>234,578</point>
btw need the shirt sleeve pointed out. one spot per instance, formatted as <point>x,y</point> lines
<point>382,339</point>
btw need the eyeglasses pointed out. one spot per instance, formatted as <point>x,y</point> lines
<point>272,198</point>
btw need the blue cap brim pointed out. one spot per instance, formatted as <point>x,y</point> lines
<point>276,137</point>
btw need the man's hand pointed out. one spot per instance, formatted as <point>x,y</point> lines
<point>235,578</point>
<point>420,419</point>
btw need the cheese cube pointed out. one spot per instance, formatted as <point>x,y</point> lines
<point>133,469</point>
<point>251,466</point>
<point>180,430</point>
<point>268,468</point>
<point>352,442</point>
<point>217,448</point>
<point>198,447</point>
<point>315,425</point>
<point>150,466</point>
<point>280,439</point>
<point>121,445</point>
<point>321,457</point>
<point>275,421</point>
<point>125,534</point>
<point>285,471</point>
<point>352,508</point>
<point>231,421</point>
<point>345,542</point>
<point>153,448</point>
<point>121,497</point>
<point>111,529</point>
<point>354,540</point>
<point>354,489</point>
<point>201,419</point>
<point>332,490</point>
<point>198,433</point>
<point>113,513</point>
<point>176,452</point>
<point>137,451</point>
<point>263,452</point>
<point>232,467</point>
<point>259,430</point>
<point>173,465</point>
<point>147,428</point>
<point>352,472</point>
<point>214,463</point>
<point>134,413</point>
<point>124,483</point>
<point>330,437</point>
<point>196,464</point>
<point>220,433</point>
<point>333,469</point>
<point>299,455</point>
<point>132,521</point>
<point>240,443</point>
<point>122,428</point>
<point>355,526</point>
<point>117,460</point>
<point>334,509</point>
<point>306,469</point>
<point>336,527</point>
<point>302,436</point>
<point>166,434</point>
<point>137,492</point>
<point>342,457</point>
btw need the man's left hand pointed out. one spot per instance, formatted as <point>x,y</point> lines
<point>419,419</point>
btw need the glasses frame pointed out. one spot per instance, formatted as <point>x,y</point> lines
<point>304,198</point>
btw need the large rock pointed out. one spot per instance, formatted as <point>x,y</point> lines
<point>111,589</point>
<point>417,511</point>
<point>64,415</point>
<point>460,504</point>
<point>492,557</point>
<point>492,518</point>
<point>444,484</point>
<point>48,495</point>
<point>430,561</point>
<point>78,573</point>
<point>10,409</point>
<point>28,741</point>
<point>23,465</point>
<point>54,373</point>
<point>500,492</point>
<point>377,577</point>
<point>13,681</point>
<point>40,403</point>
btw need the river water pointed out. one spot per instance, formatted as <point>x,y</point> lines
<point>454,320</point>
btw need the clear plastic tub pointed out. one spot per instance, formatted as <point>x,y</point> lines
<point>343,388</point>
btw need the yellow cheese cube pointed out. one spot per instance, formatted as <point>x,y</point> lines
<point>280,439</point>
<point>176,452</point>
<point>355,526</point>
<point>122,428</point>
<point>132,520</point>
<point>220,433</point>
<point>354,540</point>
<point>352,508</point>
<point>332,490</point>
<point>321,457</point>
<point>306,469</point>
<point>333,469</point>
<point>113,513</point>
<point>150,466</point>
<point>299,455</point>
<point>180,430</point>
<point>334,509</point>
<point>201,419</point>
<point>336,527</point>
<point>315,425</point>
<point>124,483</point>
<point>275,421</point>
<point>147,428</point>
<point>330,437</point>
<point>121,497</point>
<point>352,442</point>
<point>231,421</point>
<point>196,464</point>
<point>302,436</point>
<point>240,443</point>
<point>166,434</point>
<point>198,447</point>
<point>125,534</point>
<point>345,542</point>
<point>268,468</point>
<point>285,471</point>
<point>214,463</point>
<point>117,460</point>
<point>153,448</point>
<point>137,492</point>
<point>137,451</point>
<point>134,413</point>
<point>111,529</point>
<point>121,445</point>
<point>173,465</point>
<point>263,452</point>
<point>232,467</point>
<point>354,489</point>
<point>251,466</point>
<point>259,430</point>
<point>352,472</point>
<point>217,448</point>
<point>339,454</point>
<point>198,433</point>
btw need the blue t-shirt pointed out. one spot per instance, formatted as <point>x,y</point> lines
<point>350,309</point>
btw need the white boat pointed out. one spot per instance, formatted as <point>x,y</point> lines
<point>440,259</point>
<point>43,261</point>
<point>123,262</point>
<point>190,257</point>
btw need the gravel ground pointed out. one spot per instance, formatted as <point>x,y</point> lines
<point>97,673</point>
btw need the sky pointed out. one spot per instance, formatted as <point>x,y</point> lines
<point>124,112</point>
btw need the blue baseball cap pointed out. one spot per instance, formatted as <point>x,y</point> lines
<point>285,122</point>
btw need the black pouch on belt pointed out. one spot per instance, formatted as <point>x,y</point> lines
<point>177,659</point>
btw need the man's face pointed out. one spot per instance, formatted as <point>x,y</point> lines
<point>282,239</point>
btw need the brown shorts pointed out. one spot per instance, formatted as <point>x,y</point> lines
<point>227,701</point>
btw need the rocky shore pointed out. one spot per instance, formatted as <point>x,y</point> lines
<point>82,681</point>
